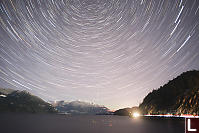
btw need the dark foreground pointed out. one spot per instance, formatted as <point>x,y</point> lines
<point>51,123</point>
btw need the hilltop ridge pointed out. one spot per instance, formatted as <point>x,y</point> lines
<point>178,96</point>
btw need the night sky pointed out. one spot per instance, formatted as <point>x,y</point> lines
<point>109,52</point>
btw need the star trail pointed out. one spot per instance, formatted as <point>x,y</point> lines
<point>110,52</point>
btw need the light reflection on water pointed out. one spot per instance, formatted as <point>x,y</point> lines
<point>34,123</point>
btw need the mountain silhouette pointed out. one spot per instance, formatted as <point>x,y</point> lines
<point>22,101</point>
<point>178,96</point>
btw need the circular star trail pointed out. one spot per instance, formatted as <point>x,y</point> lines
<point>111,52</point>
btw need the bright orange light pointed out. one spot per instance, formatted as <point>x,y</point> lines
<point>136,114</point>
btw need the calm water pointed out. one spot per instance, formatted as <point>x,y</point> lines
<point>34,123</point>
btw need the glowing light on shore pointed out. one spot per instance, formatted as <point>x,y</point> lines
<point>136,114</point>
